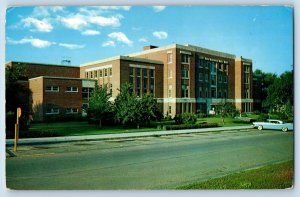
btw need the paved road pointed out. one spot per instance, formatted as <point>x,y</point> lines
<point>145,163</point>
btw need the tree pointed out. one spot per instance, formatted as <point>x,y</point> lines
<point>281,95</point>
<point>131,109</point>
<point>17,95</point>
<point>225,109</point>
<point>99,104</point>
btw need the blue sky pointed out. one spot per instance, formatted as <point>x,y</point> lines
<point>83,34</point>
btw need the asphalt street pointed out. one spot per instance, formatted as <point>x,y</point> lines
<point>163,162</point>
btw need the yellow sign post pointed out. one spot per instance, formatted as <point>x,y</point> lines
<point>19,112</point>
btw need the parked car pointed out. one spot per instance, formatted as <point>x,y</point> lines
<point>273,124</point>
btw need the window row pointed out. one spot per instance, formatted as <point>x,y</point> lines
<point>55,88</point>
<point>53,111</point>
<point>221,78</point>
<point>213,93</point>
<point>99,73</point>
<point>202,63</point>
<point>137,72</point>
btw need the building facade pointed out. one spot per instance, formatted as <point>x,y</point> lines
<point>183,78</point>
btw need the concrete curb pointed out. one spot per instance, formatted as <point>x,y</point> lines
<point>53,140</point>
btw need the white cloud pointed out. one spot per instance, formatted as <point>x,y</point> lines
<point>105,21</point>
<point>39,25</point>
<point>109,44</point>
<point>42,11</point>
<point>90,32</point>
<point>143,40</point>
<point>33,41</point>
<point>71,46</point>
<point>74,22</point>
<point>121,37</point>
<point>126,8</point>
<point>160,34</point>
<point>158,8</point>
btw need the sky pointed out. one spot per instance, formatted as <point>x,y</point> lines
<point>84,34</point>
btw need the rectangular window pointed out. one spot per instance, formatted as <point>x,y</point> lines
<point>72,89</point>
<point>91,74</point>
<point>225,94</point>
<point>246,78</point>
<point>95,73</point>
<point>220,66</point>
<point>138,72</point>
<point>184,58</point>
<point>152,85</point>
<point>145,83</point>
<point>170,110</point>
<point>213,67</point>
<point>100,73</point>
<point>152,73</point>
<point>200,76</point>
<point>184,71</point>
<point>52,89</point>
<point>200,92</point>
<point>50,111</point>
<point>213,92</point>
<point>170,58</point>
<point>71,111</point>
<point>145,73</point>
<point>206,77</point>
<point>219,94</point>
<point>86,75</point>
<point>105,72</point>
<point>130,71</point>
<point>225,79</point>
<point>213,79</point>
<point>170,91</point>
<point>131,80</point>
<point>170,73</point>
<point>138,82</point>
<point>110,71</point>
<point>110,89</point>
<point>184,91</point>
<point>225,67</point>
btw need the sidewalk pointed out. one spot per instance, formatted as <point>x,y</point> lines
<point>51,140</point>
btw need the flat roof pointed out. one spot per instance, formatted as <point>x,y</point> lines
<point>122,58</point>
<point>42,64</point>
<point>63,78</point>
<point>187,47</point>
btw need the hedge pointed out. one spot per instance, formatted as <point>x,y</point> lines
<point>190,126</point>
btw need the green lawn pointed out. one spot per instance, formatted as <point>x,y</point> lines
<point>228,121</point>
<point>277,176</point>
<point>81,128</point>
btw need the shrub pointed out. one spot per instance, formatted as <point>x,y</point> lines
<point>186,118</point>
<point>189,126</point>
<point>201,115</point>
<point>262,117</point>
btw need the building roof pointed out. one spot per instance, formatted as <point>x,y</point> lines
<point>62,78</point>
<point>122,58</point>
<point>185,47</point>
<point>41,64</point>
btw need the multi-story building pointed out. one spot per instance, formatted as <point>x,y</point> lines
<point>184,78</point>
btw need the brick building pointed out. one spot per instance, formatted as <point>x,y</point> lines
<point>184,78</point>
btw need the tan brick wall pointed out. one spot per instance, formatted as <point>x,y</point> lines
<point>36,86</point>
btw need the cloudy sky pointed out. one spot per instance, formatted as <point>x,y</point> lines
<point>84,34</point>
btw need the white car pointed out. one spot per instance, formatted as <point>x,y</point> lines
<point>273,124</point>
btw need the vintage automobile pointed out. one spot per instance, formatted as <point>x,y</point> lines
<point>273,124</point>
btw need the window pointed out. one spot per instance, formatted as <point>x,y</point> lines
<point>170,58</point>
<point>184,91</point>
<point>138,82</point>
<point>206,93</point>
<point>130,71</point>
<point>200,92</point>
<point>131,80</point>
<point>86,75</point>
<point>225,67</point>
<point>219,94</point>
<point>220,66</point>
<point>184,58</point>
<point>72,89</point>
<point>206,77</point>
<point>91,74</point>
<point>100,73</point>
<point>213,92</point>
<point>170,73</point>
<point>225,79</point>
<point>246,78</point>
<point>52,89</point>
<point>184,71</point>
<point>152,73</point>
<point>246,93</point>
<point>152,85</point>
<point>225,94</point>
<point>138,72</point>
<point>220,78</point>
<point>110,89</point>
<point>170,110</point>
<point>95,73</point>
<point>212,67</point>
<point>200,76</point>
<point>170,91</point>
<point>213,79</point>
<point>105,72</point>
<point>71,111</point>
<point>246,68</point>
<point>145,83</point>
<point>145,73</point>
<point>50,111</point>
<point>110,71</point>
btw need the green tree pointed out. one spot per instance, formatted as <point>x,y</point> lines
<point>131,109</point>
<point>281,95</point>
<point>99,104</point>
<point>17,95</point>
<point>226,109</point>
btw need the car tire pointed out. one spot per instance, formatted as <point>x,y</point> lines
<point>284,129</point>
<point>260,127</point>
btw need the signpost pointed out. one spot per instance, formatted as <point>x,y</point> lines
<point>19,112</point>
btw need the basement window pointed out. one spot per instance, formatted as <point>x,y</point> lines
<point>71,111</point>
<point>52,89</point>
<point>72,89</point>
<point>51,111</point>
